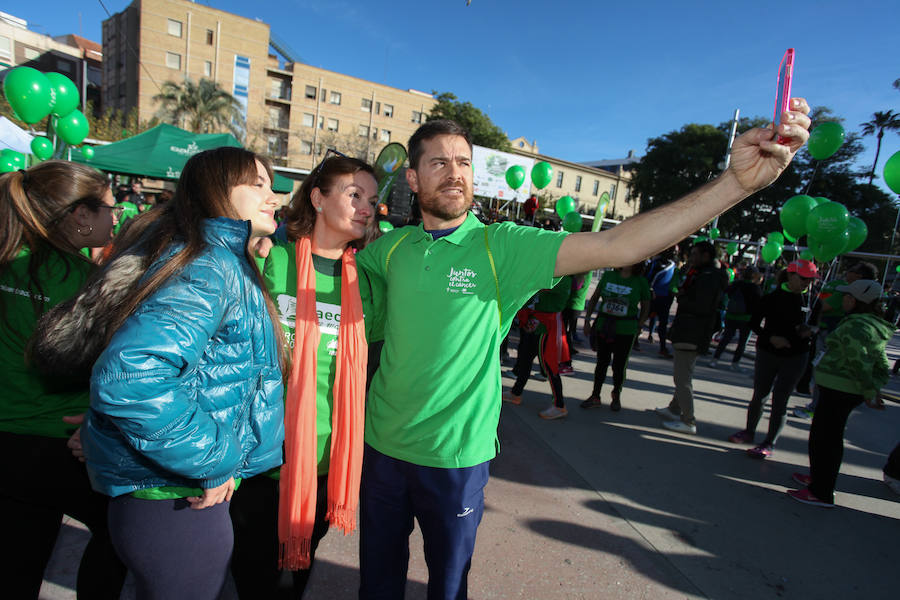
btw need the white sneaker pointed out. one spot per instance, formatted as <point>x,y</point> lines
<point>892,483</point>
<point>713,363</point>
<point>680,426</point>
<point>666,413</point>
<point>554,412</point>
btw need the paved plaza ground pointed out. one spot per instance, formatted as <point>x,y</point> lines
<point>611,505</point>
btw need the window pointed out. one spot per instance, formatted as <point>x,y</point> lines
<point>578,183</point>
<point>366,105</point>
<point>173,61</point>
<point>335,98</point>
<point>31,54</point>
<point>305,147</point>
<point>385,136</point>
<point>388,110</point>
<point>364,131</point>
<point>209,37</point>
<point>332,124</point>
<point>64,66</point>
<point>5,47</point>
<point>207,68</point>
<point>311,92</point>
<point>596,188</point>
<point>174,27</point>
<point>559,179</point>
<point>378,108</point>
<point>308,120</point>
<point>612,191</point>
<point>321,122</point>
<point>416,116</point>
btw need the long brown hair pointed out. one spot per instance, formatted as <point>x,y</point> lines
<point>203,192</point>
<point>33,206</point>
<point>299,215</point>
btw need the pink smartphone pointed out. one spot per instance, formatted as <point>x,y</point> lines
<point>783,89</point>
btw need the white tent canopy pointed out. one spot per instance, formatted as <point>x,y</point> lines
<point>14,137</point>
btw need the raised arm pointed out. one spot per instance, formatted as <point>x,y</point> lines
<point>756,161</point>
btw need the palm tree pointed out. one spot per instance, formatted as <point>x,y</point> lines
<point>881,121</point>
<point>201,108</point>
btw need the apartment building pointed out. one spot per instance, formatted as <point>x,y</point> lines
<point>294,112</point>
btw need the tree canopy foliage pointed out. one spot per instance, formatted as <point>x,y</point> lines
<point>481,129</point>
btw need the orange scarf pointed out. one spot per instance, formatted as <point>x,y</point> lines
<point>297,496</point>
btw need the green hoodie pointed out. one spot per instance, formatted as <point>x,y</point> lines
<point>854,359</point>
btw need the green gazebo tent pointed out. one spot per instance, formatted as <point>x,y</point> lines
<point>161,153</point>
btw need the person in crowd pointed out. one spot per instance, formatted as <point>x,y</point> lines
<point>542,334</point>
<point>623,296</point>
<point>574,307</point>
<point>432,413</point>
<point>186,393</point>
<point>49,213</point>
<point>851,371</point>
<point>530,208</point>
<point>743,297</point>
<point>781,348</point>
<point>698,305</point>
<point>280,516</point>
<point>661,274</point>
<point>828,312</point>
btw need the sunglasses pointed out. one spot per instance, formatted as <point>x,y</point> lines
<point>316,173</point>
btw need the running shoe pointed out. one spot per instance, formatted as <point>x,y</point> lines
<point>666,413</point>
<point>801,412</point>
<point>616,404</point>
<point>893,483</point>
<point>680,426</point>
<point>511,398</point>
<point>762,451</point>
<point>713,363</point>
<point>741,437</point>
<point>802,478</point>
<point>807,497</point>
<point>566,370</point>
<point>554,412</point>
<point>592,402</point>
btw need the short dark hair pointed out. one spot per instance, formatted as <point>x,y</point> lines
<point>706,248</point>
<point>432,129</point>
<point>865,270</point>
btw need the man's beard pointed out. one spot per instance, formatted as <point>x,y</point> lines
<point>445,210</point>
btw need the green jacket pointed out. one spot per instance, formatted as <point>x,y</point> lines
<point>854,359</point>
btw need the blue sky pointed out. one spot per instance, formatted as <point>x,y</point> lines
<point>586,79</point>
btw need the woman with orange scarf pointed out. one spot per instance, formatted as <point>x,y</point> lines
<point>280,517</point>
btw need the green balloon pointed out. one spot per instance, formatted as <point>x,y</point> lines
<point>41,147</point>
<point>29,93</point>
<point>892,172</point>
<point>564,206</point>
<point>789,237</point>
<point>515,176</point>
<point>730,275</point>
<point>771,251</point>
<point>572,222</point>
<point>17,159</point>
<point>825,249</point>
<point>794,212</point>
<point>827,220</point>
<point>731,248</point>
<point>7,165</point>
<point>72,128</point>
<point>541,174</point>
<point>821,200</point>
<point>897,269</point>
<point>385,226</point>
<point>87,152</point>
<point>700,238</point>
<point>65,94</point>
<point>807,254</point>
<point>857,232</point>
<point>776,236</point>
<point>825,140</point>
<point>714,233</point>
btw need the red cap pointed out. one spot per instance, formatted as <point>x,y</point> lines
<point>803,268</point>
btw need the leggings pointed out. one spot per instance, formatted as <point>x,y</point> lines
<point>530,346</point>
<point>172,550</point>
<point>743,329</point>
<point>254,511</point>
<point>659,308</point>
<point>826,440</point>
<point>41,482</point>
<point>779,375</point>
<point>618,349</point>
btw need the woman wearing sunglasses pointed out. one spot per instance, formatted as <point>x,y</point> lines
<point>781,352</point>
<point>49,213</point>
<point>280,517</point>
<point>186,395</point>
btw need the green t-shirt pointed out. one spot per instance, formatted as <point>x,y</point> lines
<point>435,399</point>
<point>31,404</point>
<point>578,297</point>
<point>621,297</point>
<point>131,211</point>
<point>280,275</point>
<point>556,298</point>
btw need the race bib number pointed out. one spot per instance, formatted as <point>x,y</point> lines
<point>615,307</point>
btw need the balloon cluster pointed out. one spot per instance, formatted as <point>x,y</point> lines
<point>33,96</point>
<point>571,219</point>
<point>892,172</point>
<point>827,225</point>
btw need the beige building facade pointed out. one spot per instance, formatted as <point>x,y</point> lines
<point>294,112</point>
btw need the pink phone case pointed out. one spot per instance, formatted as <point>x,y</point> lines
<point>783,88</point>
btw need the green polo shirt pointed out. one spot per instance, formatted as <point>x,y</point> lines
<point>621,297</point>
<point>435,399</point>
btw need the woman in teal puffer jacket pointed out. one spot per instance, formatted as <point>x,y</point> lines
<point>852,370</point>
<point>186,396</point>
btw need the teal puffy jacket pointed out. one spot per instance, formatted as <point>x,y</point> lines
<point>189,391</point>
